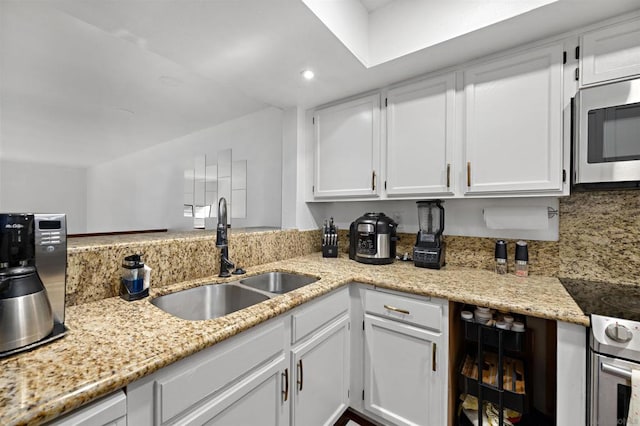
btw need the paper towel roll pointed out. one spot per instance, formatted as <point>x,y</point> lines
<point>533,217</point>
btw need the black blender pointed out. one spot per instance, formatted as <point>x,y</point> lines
<point>429,249</point>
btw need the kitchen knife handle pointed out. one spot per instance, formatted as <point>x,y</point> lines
<point>285,392</point>
<point>373,180</point>
<point>448,175</point>
<point>394,309</point>
<point>300,375</point>
<point>469,174</point>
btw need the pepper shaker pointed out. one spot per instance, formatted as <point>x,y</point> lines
<point>522,259</point>
<point>501,257</point>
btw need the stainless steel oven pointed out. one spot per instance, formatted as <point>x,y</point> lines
<point>607,144</point>
<point>613,355</point>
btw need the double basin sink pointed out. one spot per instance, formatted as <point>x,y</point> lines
<point>217,300</point>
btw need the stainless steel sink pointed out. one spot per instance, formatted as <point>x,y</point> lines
<point>278,282</point>
<point>208,301</point>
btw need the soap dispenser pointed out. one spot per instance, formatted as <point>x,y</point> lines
<point>134,283</point>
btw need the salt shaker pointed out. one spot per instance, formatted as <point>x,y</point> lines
<point>522,259</point>
<point>501,257</point>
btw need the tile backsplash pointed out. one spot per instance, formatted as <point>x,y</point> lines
<point>600,236</point>
<point>93,263</point>
<point>599,241</point>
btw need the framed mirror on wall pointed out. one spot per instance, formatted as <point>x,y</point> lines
<point>210,179</point>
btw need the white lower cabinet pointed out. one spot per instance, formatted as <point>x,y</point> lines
<point>255,400</point>
<point>320,369</point>
<point>293,369</point>
<point>405,359</point>
<point>234,382</point>
<point>110,410</point>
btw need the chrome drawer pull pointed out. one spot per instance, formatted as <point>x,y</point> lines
<point>393,308</point>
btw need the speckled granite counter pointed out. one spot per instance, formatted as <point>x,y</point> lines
<point>112,343</point>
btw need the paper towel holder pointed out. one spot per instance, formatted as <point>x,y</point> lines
<point>551,212</point>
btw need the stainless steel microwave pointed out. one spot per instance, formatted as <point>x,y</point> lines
<point>607,143</point>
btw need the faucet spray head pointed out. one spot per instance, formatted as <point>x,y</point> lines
<point>221,229</point>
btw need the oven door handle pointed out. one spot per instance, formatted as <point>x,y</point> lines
<point>616,371</point>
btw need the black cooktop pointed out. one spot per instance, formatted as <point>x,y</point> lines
<point>600,298</point>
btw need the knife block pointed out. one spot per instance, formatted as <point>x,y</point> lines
<point>330,251</point>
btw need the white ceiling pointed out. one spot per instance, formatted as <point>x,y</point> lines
<point>87,81</point>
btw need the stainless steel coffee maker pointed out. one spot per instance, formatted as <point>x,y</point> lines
<point>32,280</point>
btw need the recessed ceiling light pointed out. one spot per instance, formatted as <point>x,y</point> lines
<point>307,74</point>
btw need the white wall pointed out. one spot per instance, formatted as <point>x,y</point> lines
<point>296,161</point>
<point>44,188</point>
<point>144,190</point>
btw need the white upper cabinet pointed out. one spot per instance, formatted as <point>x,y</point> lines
<point>611,53</point>
<point>347,149</point>
<point>420,128</point>
<point>513,129</point>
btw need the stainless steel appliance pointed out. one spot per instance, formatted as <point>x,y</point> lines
<point>32,280</point>
<point>614,352</point>
<point>614,346</point>
<point>372,239</point>
<point>429,251</point>
<point>51,261</point>
<point>607,125</point>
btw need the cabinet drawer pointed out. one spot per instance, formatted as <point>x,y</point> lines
<point>216,371</point>
<point>309,319</point>
<point>110,410</point>
<point>419,312</point>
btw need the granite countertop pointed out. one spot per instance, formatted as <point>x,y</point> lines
<point>111,343</point>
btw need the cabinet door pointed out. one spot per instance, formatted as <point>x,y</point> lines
<point>513,123</point>
<point>347,149</point>
<point>404,380</point>
<point>420,129</point>
<point>611,53</point>
<point>258,399</point>
<point>321,376</point>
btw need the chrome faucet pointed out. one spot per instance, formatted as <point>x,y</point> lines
<point>222,242</point>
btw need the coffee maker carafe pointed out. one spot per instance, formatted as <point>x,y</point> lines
<point>26,316</point>
<point>429,251</point>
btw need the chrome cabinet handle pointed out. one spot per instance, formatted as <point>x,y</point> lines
<point>448,175</point>
<point>616,371</point>
<point>373,180</point>
<point>393,308</point>
<point>300,375</point>
<point>285,392</point>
